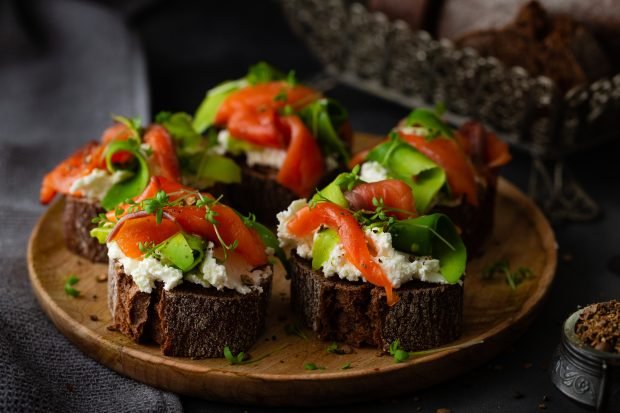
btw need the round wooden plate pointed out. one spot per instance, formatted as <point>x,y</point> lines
<point>493,314</point>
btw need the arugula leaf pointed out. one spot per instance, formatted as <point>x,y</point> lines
<point>312,366</point>
<point>324,117</point>
<point>430,121</point>
<point>403,162</point>
<point>346,366</point>
<point>268,238</point>
<point>205,114</point>
<point>263,72</point>
<point>71,281</point>
<point>128,188</point>
<point>180,126</point>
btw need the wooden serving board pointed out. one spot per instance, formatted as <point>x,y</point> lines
<point>493,314</point>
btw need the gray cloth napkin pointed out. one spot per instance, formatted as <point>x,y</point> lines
<point>65,66</point>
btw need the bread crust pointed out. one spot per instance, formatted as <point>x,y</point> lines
<point>427,315</point>
<point>77,222</point>
<point>189,320</point>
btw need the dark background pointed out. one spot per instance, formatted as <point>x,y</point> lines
<point>190,46</point>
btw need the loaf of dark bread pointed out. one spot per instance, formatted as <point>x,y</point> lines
<point>554,46</point>
<point>77,221</point>
<point>189,320</point>
<point>426,316</point>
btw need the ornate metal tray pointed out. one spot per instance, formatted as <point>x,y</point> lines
<point>366,50</point>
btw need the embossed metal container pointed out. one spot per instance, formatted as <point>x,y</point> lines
<point>588,376</point>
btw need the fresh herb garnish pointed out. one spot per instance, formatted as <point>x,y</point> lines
<point>71,281</point>
<point>502,267</point>
<point>333,348</point>
<point>148,249</point>
<point>346,366</point>
<point>133,124</point>
<point>263,72</point>
<point>210,214</point>
<point>156,205</point>
<point>282,96</point>
<point>401,355</point>
<point>291,78</point>
<point>232,359</point>
<point>295,330</point>
<point>398,353</point>
<point>242,358</point>
<point>312,366</point>
<point>287,110</point>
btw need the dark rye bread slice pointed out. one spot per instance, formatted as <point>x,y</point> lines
<point>189,320</point>
<point>426,316</point>
<point>77,221</point>
<point>474,222</point>
<point>260,193</point>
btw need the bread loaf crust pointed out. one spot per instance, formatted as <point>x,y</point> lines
<point>189,320</point>
<point>77,219</point>
<point>427,315</point>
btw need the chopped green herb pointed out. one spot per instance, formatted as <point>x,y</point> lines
<point>242,358</point>
<point>71,281</point>
<point>232,359</point>
<point>287,110</point>
<point>134,124</point>
<point>398,353</point>
<point>263,72</point>
<point>502,267</point>
<point>346,366</point>
<point>312,366</point>
<point>333,348</point>
<point>156,205</point>
<point>291,78</point>
<point>282,96</point>
<point>295,330</point>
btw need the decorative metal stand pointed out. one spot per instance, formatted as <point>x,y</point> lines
<point>386,58</point>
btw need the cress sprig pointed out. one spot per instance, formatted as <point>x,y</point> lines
<point>161,200</point>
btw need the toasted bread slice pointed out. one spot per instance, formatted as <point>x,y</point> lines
<point>77,221</point>
<point>426,316</point>
<point>189,320</point>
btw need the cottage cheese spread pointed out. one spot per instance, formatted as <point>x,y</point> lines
<point>372,171</point>
<point>234,274</point>
<point>398,266</point>
<point>145,272</point>
<point>96,184</point>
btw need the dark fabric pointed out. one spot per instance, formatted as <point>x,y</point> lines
<point>65,66</point>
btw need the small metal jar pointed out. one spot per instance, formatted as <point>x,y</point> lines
<point>588,376</point>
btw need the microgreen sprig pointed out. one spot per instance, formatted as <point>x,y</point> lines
<point>513,278</point>
<point>69,289</point>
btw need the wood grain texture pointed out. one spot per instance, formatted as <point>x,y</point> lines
<point>493,313</point>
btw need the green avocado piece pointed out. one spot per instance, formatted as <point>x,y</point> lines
<point>332,193</point>
<point>177,251</point>
<point>219,168</point>
<point>324,243</point>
